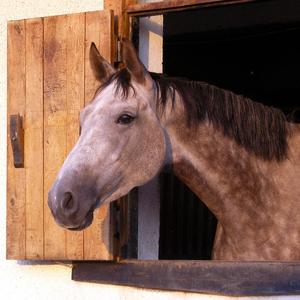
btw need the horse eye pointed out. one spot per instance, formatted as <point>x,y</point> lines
<point>125,119</point>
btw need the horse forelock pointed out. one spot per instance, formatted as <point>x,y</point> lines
<point>122,81</point>
<point>260,129</point>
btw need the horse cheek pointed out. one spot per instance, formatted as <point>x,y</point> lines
<point>157,152</point>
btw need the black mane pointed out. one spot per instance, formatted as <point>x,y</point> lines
<point>260,129</point>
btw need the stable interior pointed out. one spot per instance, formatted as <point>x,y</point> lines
<point>251,49</point>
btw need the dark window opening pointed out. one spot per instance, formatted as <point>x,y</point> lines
<point>251,49</point>
<point>187,227</point>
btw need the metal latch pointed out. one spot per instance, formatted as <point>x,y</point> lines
<point>17,140</point>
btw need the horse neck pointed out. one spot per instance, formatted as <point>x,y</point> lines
<point>231,181</point>
<point>256,201</point>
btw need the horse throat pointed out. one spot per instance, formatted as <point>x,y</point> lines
<point>215,168</point>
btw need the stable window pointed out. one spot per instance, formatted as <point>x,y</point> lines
<point>228,43</point>
<point>233,45</point>
<point>234,48</point>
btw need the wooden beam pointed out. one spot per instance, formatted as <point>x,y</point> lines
<point>157,8</point>
<point>119,8</point>
<point>211,277</point>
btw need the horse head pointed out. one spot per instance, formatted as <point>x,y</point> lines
<point>121,145</point>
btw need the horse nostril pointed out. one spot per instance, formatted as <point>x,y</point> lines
<point>68,201</point>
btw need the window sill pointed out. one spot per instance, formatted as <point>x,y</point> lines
<point>210,277</point>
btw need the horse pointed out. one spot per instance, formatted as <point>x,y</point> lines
<point>240,157</point>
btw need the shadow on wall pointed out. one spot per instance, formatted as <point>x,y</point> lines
<point>64,263</point>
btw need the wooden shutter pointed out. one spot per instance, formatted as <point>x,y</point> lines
<point>49,82</point>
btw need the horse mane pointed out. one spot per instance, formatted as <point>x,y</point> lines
<point>260,129</point>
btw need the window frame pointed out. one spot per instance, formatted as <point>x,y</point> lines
<point>235,278</point>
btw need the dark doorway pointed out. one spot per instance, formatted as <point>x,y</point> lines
<point>251,49</point>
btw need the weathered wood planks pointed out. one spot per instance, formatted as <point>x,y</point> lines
<point>99,29</point>
<point>75,102</point>
<point>16,105</point>
<point>34,139</point>
<point>49,82</point>
<point>55,123</point>
<point>119,9</point>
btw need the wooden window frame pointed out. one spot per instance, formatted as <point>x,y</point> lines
<point>162,7</point>
<point>211,277</point>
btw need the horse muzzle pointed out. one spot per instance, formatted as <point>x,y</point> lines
<point>69,209</point>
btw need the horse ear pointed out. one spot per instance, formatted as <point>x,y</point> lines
<point>133,63</point>
<point>102,69</point>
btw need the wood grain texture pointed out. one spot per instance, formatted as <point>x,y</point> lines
<point>75,102</point>
<point>209,277</point>
<point>160,7</point>
<point>55,122</point>
<point>15,232</point>
<point>99,29</point>
<point>47,86</point>
<point>119,9</point>
<point>34,154</point>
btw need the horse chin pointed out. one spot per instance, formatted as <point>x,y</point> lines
<point>85,223</point>
<point>115,195</point>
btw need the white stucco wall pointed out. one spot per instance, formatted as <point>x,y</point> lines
<point>23,280</point>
